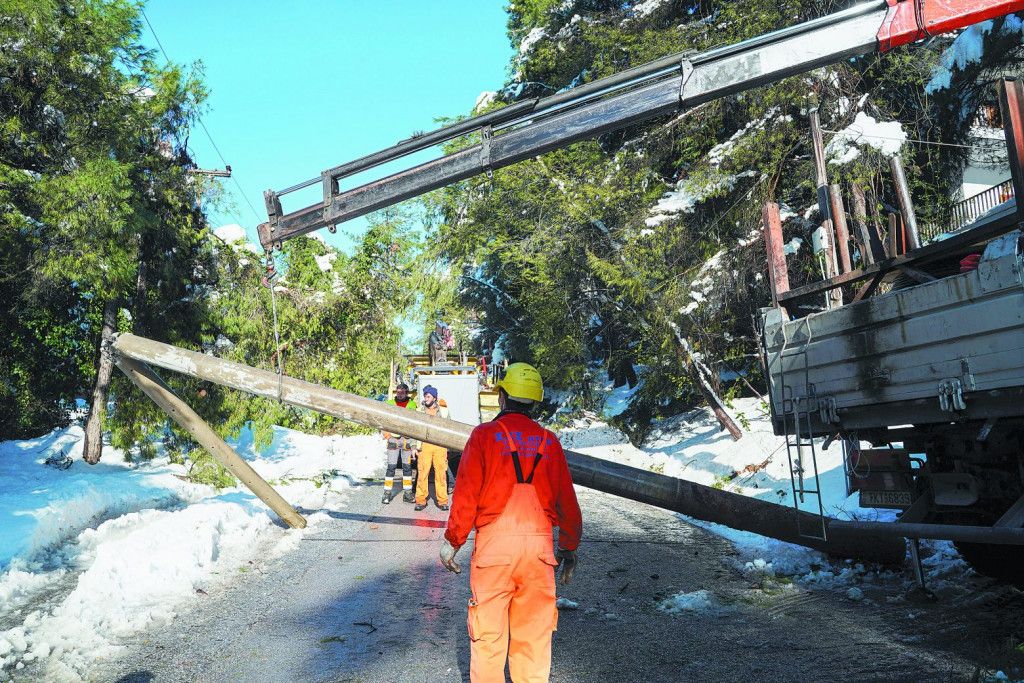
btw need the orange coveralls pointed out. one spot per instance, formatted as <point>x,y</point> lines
<point>435,457</point>
<point>513,486</point>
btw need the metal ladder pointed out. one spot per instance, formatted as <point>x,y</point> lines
<point>800,448</point>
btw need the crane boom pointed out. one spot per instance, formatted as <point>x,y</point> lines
<point>680,81</point>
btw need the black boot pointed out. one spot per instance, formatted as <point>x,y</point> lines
<point>420,507</point>
<point>409,497</point>
<point>387,497</point>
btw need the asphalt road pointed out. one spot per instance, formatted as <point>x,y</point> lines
<point>363,598</point>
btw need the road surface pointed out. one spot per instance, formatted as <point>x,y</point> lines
<point>363,598</point>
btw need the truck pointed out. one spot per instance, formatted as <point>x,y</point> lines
<point>930,375</point>
<point>922,385</point>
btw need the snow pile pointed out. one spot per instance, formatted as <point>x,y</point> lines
<point>698,601</point>
<point>92,554</point>
<point>887,137</point>
<point>137,569</point>
<point>968,48</point>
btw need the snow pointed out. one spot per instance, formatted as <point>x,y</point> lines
<point>642,9</point>
<point>234,235</point>
<point>617,398</point>
<point>967,48</point>
<point>92,554</point>
<point>887,137</point>
<point>699,601</point>
<point>484,99</point>
<point>326,261</point>
<point>531,39</point>
<point>690,192</point>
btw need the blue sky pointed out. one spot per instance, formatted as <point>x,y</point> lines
<point>297,87</point>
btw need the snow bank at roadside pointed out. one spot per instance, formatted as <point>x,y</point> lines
<point>89,555</point>
<point>692,446</point>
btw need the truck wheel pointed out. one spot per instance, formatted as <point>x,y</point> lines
<point>1002,562</point>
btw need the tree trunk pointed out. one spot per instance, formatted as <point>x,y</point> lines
<point>94,421</point>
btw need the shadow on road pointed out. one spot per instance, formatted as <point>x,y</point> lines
<point>421,522</point>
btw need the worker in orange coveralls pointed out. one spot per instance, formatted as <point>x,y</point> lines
<point>513,485</point>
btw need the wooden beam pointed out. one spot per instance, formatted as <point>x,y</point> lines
<point>835,296</point>
<point>151,385</point>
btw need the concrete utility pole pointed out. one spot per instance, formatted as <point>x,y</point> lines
<point>670,493</point>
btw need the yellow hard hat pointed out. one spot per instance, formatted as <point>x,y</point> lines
<point>521,381</point>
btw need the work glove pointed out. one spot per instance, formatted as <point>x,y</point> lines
<point>567,561</point>
<point>448,557</point>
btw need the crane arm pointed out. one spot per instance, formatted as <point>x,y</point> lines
<point>680,81</point>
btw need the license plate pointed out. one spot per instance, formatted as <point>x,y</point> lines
<point>885,499</point>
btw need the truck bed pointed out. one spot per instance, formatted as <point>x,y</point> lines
<point>886,360</point>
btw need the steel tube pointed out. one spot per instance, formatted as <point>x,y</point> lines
<point>944,532</point>
<point>678,495</point>
<point>906,203</point>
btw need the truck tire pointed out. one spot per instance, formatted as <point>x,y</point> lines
<point>1002,562</point>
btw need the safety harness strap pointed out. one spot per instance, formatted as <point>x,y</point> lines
<point>515,456</point>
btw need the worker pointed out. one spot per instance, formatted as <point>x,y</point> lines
<point>431,456</point>
<point>438,343</point>
<point>513,486</point>
<point>400,449</point>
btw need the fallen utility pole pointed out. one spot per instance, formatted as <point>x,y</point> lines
<point>150,384</point>
<point>702,502</point>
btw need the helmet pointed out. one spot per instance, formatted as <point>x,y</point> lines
<point>522,382</point>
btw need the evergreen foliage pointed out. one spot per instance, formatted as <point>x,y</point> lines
<point>613,252</point>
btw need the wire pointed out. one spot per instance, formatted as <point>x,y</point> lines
<point>921,142</point>
<point>259,218</point>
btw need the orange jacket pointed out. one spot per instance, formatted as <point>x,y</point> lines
<point>486,477</point>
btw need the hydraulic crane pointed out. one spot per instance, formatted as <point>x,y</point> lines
<point>676,82</point>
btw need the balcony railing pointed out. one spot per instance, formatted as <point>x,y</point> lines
<point>967,211</point>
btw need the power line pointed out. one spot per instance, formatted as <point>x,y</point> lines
<point>922,142</point>
<point>203,125</point>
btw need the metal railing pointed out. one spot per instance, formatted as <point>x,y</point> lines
<point>968,210</point>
